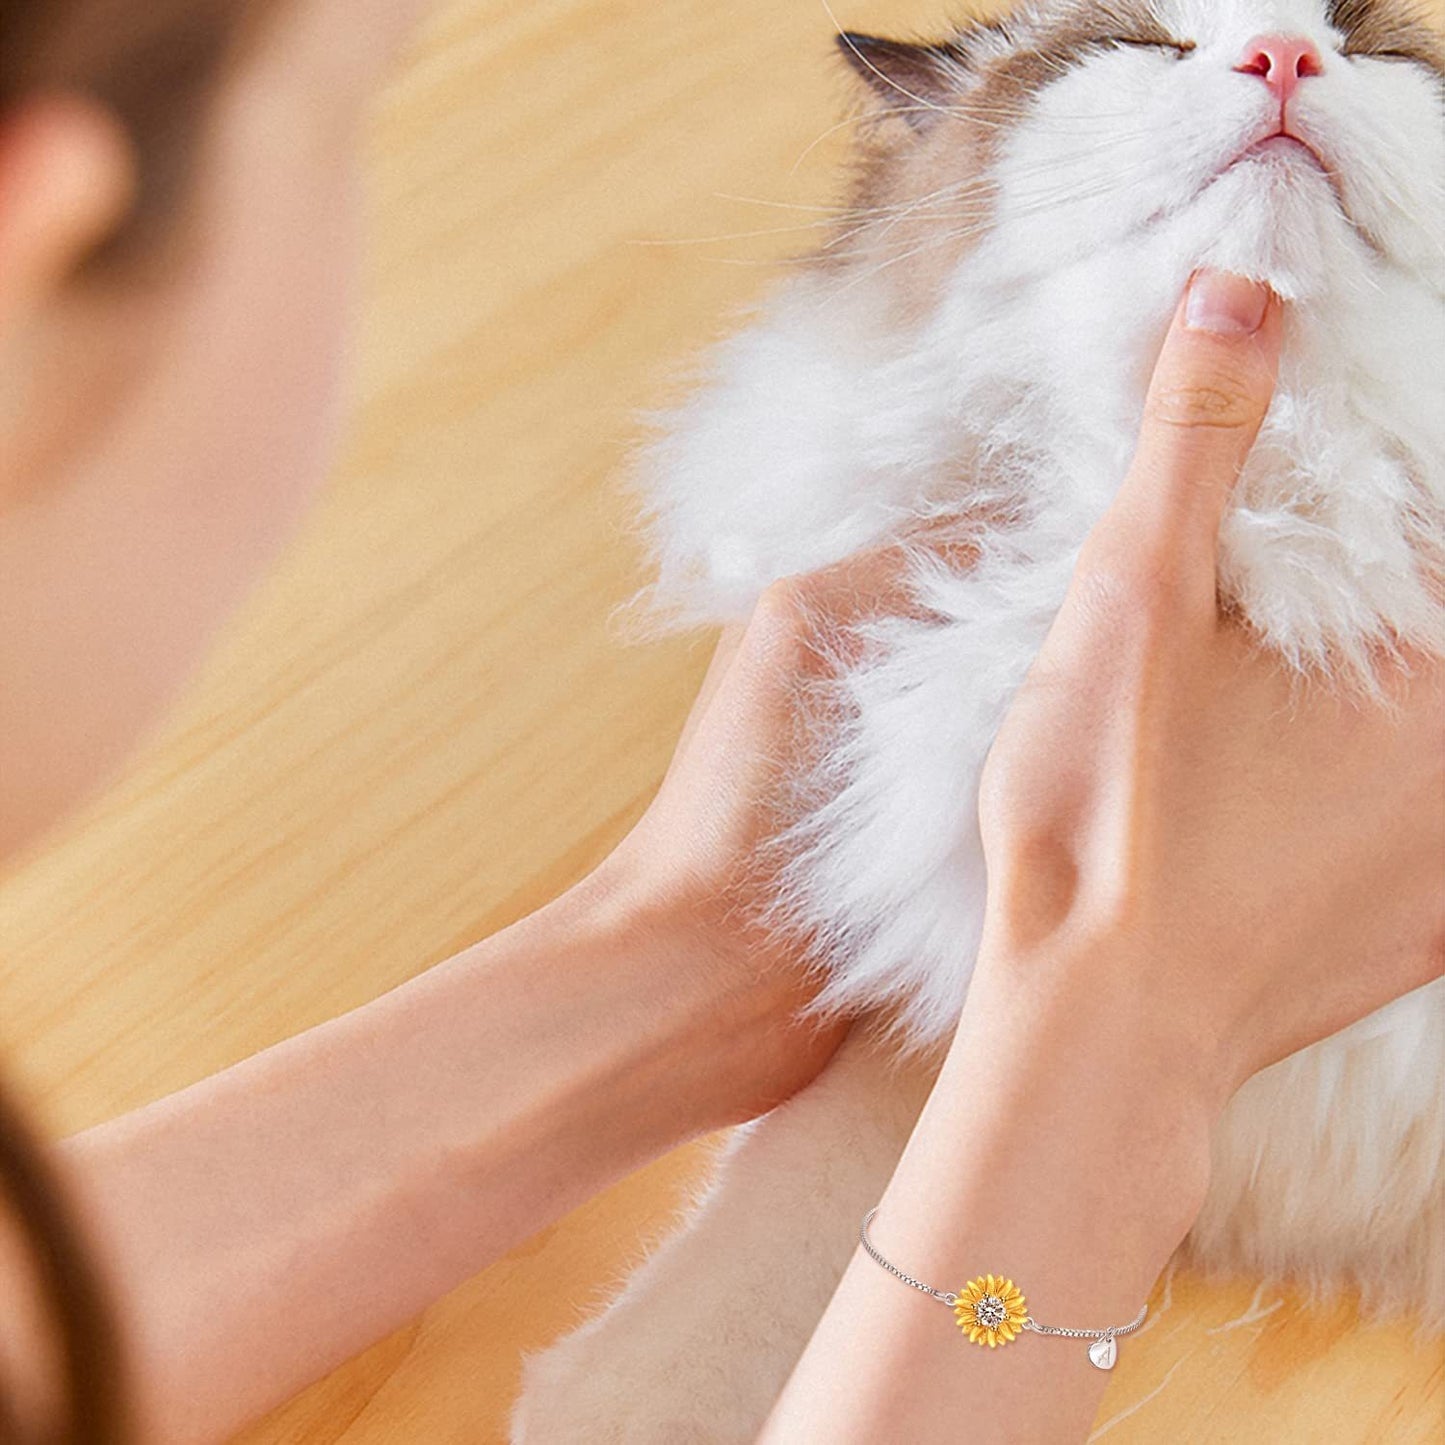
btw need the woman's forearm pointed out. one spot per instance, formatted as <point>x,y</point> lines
<point>1063,1148</point>
<point>262,1226</point>
<point>1189,852</point>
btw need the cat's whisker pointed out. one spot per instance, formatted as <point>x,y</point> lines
<point>997,117</point>
<point>766,262</point>
<point>918,210</point>
<point>837,209</point>
<point>1068,173</point>
<point>815,143</point>
<point>942,238</point>
<point>831,217</point>
<point>969,112</point>
<point>1045,199</point>
<point>933,199</point>
<point>863,118</point>
<point>724,237</point>
<point>1068,168</point>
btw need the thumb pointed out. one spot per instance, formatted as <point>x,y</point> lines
<point>1212,387</point>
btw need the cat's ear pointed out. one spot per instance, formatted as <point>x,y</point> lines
<point>913,80</point>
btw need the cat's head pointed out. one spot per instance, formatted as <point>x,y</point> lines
<point>1075,126</point>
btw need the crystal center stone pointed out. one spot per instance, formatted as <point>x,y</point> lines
<point>990,1312</point>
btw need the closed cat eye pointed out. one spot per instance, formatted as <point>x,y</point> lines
<point>1395,56</point>
<point>1174,47</point>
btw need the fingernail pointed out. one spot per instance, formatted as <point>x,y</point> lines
<point>1226,305</point>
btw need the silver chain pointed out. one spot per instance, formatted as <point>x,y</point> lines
<point>1116,1331</point>
<point>951,1299</point>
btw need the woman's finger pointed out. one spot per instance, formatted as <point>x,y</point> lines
<point>1211,389</point>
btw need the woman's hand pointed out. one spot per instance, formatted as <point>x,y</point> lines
<point>697,861</point>
<point>1197,864</point>
<point>1250,857</point>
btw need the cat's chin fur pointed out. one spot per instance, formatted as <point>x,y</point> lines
<point>828,425</point>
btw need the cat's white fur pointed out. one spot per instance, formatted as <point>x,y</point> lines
<point>825,427</point>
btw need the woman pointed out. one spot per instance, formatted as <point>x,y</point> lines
<point>175,212</point>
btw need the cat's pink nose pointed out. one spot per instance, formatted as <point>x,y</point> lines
<point>1281,61</point>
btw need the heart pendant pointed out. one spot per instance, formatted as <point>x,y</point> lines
<point>1103,1353</point>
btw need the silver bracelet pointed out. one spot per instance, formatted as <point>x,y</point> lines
<point>990,1310</point>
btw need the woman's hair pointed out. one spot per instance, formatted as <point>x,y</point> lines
<point>154,64</point>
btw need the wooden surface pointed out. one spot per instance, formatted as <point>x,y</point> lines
<point>424,725</point>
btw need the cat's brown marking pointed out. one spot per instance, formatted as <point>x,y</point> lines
<point>922,197</point>
<point>1390,28</point>
<point>907,79</point>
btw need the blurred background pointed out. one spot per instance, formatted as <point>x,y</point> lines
<point>426,723</point>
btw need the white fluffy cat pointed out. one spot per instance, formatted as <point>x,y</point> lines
<point>975,343</point>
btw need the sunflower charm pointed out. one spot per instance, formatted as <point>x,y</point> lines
<point>990,1311</point>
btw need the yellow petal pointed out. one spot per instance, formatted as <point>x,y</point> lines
<point>1006,1331</point>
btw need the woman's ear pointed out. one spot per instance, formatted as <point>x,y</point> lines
<point>67,179</point>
